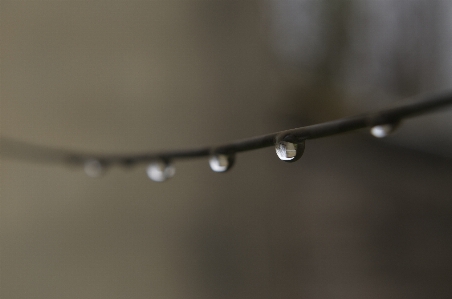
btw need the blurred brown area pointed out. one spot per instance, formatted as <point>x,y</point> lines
<point>354,218</point>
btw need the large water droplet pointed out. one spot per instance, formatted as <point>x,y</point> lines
<point>160,171</point>
<point>94,168</point>
<point>288,151</point>
<point>382,131</point>
<point>221,162</point>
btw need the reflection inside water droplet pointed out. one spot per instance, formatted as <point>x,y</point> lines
<point>160,171</point>
<point>93,168</point>
<point>221,163</point>
<point>288,151</point>
<point>382,131</point>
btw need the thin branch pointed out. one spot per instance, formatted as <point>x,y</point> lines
<point>391,117</point>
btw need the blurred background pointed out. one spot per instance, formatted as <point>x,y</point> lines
<point>356,217</point>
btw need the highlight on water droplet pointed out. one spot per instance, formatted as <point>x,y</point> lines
<point>289,151</point>
<point>160,171</point>
<point>221,162</point>
<point>381,131</point>
<point>93,168</point>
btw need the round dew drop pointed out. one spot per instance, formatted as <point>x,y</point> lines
<point>288,151</point>
<point>221,163</point>
<point>382,131</point>
<point>93,168</point>
<point>160,171</point>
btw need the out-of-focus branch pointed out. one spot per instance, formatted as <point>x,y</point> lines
<point>382,123</point>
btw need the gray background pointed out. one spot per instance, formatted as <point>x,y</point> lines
<point>354,218</point>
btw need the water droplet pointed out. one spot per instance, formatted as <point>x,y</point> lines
<point>288,151</point>
<point>160,171</point>
<point>94,168</point>
<point>221,162</point>
<point>382,131</point>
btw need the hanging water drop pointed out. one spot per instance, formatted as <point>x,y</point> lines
<point>221,162</point>
<point>94,168</point>
<point>289,151</point>
<point>160,171</point>
<point>381,131</point>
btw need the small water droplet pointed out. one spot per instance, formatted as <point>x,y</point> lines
<point>160,171</point>
<point>382,131</point>
<point>221,162</point>
<point>94,168</point>
<point>288,151</point>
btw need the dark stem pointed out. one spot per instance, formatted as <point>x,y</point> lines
<point>26,151</point>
